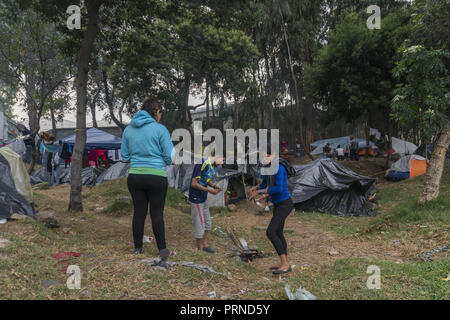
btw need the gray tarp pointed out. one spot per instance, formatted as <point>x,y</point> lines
<point>328,186</point>
<point>117,171</point>
<point>89,176</point>
<point>11,201</point>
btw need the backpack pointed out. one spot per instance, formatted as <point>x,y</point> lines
<point>49,161</point>
<point>289,168</point>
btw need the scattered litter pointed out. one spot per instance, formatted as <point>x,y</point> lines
<point>3,221</point>
<point>154,261</point>
<point>333,253</point>
<point>396,243</point>
<point>147,239</point>
<point>49,283</point>
<point>86,294</point>
<point>4,243</point>
<point>300,294</point>
<point>65,254</point>
<point>232,207</point>
<point>428,256</point>
<point>65,263</point>
<point>446,279</point>
<point>211,295</point>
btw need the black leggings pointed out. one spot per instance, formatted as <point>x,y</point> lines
<point>145,189</point>
<point>275,230</point>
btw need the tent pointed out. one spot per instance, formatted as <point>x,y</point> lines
<point>13,134</point>
<point>89,176</point>
<point>334,142</point>
<point>16,195</point>
<point>116,171</point>
<point>409,166</point>
<point>403,147</point>
<point>97,139</point>
<point>328,186</point>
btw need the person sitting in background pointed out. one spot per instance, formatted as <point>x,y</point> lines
<point>327,151</point>
<point>340,153</point>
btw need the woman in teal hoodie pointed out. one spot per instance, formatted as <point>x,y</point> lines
<point>147,145</point>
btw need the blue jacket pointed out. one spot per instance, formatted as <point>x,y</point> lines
<point>279,192</point>
<point>146,143</point>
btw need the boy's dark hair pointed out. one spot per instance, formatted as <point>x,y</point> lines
<point>151,105</point>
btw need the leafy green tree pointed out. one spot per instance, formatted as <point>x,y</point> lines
<point>422,101</point>
<point>352,75</point>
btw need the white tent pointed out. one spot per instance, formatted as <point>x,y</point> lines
<point>403,147</point>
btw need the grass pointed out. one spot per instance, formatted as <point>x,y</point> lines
<point>347,279</point>
<point>110,271</point>
<point>398,209</point>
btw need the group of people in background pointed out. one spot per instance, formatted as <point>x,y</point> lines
<point>340,153</point>
<point>147,146</point>
<point>54,155</point>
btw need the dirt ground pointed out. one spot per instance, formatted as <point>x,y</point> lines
<point>105,241</point>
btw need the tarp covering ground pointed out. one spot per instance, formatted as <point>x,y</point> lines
<point>328,186</point>
<point>89,176</point>
<point>15,190</point>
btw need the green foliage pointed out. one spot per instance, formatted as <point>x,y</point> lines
<point>351,76</point>
<point>422,99</point>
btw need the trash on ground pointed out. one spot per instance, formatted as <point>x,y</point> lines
<point>3,221</point>
<point>154,261</point>
<point>211,295</point>
<point>300,294</point>
<point>49,283</point>
<point>333,253</point>
<point>147,239</point>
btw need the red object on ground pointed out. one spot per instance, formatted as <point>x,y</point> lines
<point>66,262</point>
<point>65,254</point>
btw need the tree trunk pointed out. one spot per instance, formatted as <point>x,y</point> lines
<point>208,120</point>
<point>367,134</point>
<point>110,102</point>
<point>52,115</point>
<point>34,128</point>
<point>436,167</point>
<point>297,99</point>
<point>93,7</point>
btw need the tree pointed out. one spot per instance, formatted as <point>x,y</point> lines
<point>352,75</point>
<point>33,61</point>
<point>423,101</point>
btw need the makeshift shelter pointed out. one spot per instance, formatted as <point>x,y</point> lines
<point>89,176</point>
<point>13,134</point>
<point>403,147</point>
<point>343,141</point>
<point>116,171</point>
<point>97,139</point>
<point>16,195</point>
<point>328,186</point>
<point>407,167</point>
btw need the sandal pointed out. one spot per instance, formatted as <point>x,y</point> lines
<point>273,268</point>
<point>276,272</point>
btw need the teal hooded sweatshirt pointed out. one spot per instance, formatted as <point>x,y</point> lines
<point>147,145</point>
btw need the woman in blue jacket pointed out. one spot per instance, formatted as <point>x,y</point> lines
<point>276,189</point>
<point>147,145</point>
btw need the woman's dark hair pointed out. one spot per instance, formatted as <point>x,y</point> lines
<point>152,106</point>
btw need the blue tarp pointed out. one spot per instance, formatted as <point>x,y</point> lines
<point>97,139</point>
<point>343,141</point>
